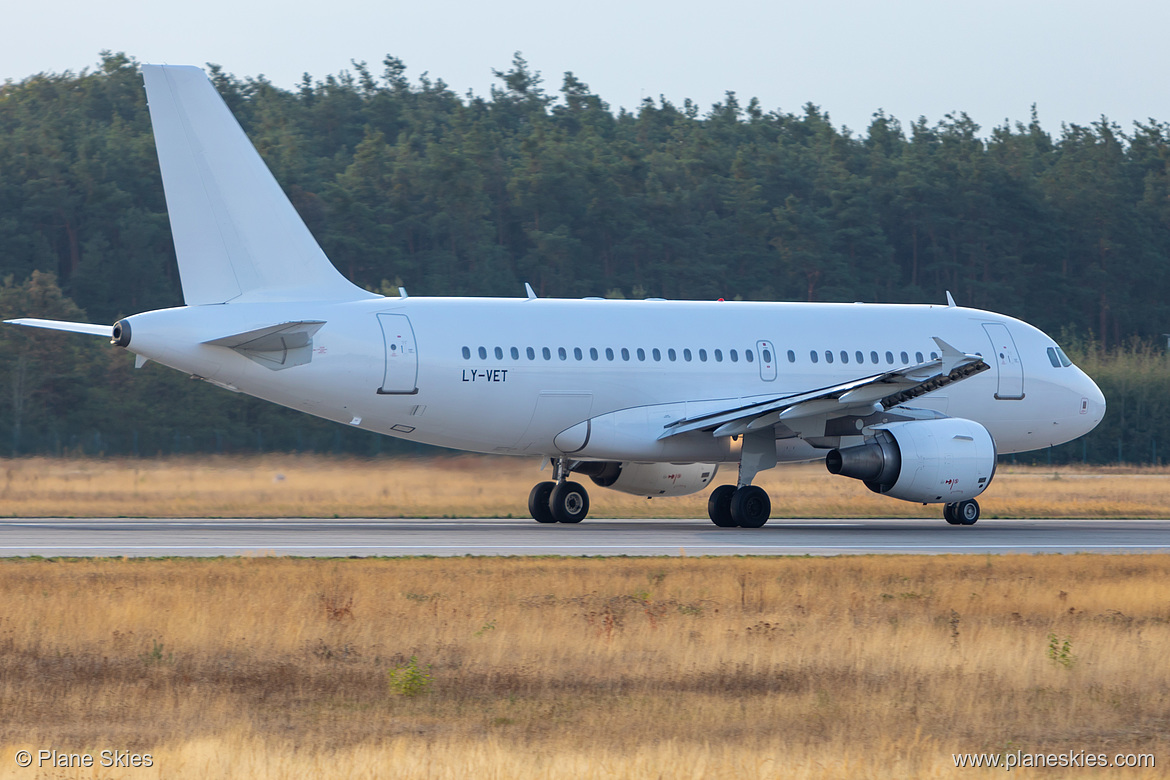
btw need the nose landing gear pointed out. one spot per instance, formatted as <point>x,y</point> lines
<point>561,501</point>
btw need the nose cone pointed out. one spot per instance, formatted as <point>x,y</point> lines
<point>1092,401</point>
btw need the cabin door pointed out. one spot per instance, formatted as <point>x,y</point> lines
<point>401,374</point>
<point>1006,360</point>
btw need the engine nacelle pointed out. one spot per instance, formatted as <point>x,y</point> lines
<point>650,479</point>
<point>924,461</point>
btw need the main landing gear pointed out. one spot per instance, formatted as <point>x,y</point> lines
<point>962,512</point>
<point>739,507</point>
<point>561,501</point>
<point>745,505</point>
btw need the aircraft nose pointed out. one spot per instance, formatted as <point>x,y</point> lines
<point>1092,400</point>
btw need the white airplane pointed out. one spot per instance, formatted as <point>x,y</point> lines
<point>647,397</point>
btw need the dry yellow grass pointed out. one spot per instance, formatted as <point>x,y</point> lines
<point>474,486</point>
<point>877,667</point>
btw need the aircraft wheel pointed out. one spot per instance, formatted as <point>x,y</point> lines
<point>949,514</point>
<point>569,502</point>
<point>538,502</point>
<point>967,512</point>
<point>750,507</point>
<point>719,506</point>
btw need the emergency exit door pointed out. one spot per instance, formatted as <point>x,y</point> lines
<point>767,360</point>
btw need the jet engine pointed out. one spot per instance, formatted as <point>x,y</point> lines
<point>650,479</point>
<point>925,461</point>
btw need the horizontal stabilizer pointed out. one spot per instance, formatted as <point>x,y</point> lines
<point>71,327</point>
<point>275,347</point>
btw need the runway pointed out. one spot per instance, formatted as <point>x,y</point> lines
<point>100,537</point>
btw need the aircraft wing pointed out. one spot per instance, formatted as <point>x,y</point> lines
<point>859,396</point>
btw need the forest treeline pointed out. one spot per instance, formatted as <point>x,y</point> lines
<point>406,182</point>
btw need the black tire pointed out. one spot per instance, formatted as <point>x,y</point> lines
<point>750,507</point>
<point>569,502</point>
<point>967,512</point>
<point>538,502</point>
<point>719,506</point>
<point>949,514</point>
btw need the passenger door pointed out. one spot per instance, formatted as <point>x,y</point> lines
<point>401,373</point>
<point>1007,362</point>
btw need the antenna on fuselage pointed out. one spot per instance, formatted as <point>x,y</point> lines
<point>950,300</point>
<point>531,293</point>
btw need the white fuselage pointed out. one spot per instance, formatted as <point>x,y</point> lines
<point>509,375</point>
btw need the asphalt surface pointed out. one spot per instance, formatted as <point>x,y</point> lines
<point>51,537</point>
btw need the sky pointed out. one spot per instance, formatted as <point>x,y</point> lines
<point>1076,60</point>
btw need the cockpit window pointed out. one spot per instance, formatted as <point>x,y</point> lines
<point>1057,358</point>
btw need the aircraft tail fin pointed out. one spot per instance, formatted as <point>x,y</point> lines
<point>237,236</point>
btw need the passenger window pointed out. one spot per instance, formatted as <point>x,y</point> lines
<point>656,354</point>
<point>593,353</point>
<point>625,354</point>
<point>515,354</point>
<point>812,355</point>
<point>577,353</point>
<point>702,355</point>
<point>531,353</point>
<point>873,358</point>
<point>828,356</point>
<point>687,355</point>
<point>670,353</point>
<point>1052,358</point>
<point>718,356</point>
<point>561,353</point>
<point>547,354</point>
<point>467,353</point>
<point>905,359</point>
<point>890,357</point>
<point>749,355</point>
<point>844,356</point>
<point>934,356</point>
<point>860,357</point>
<point>483,353</point>
<point>641,354</point>
<point>609,353</point>
<point>733,355</point>
<point>918,357</point>
<point>768,356</point>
